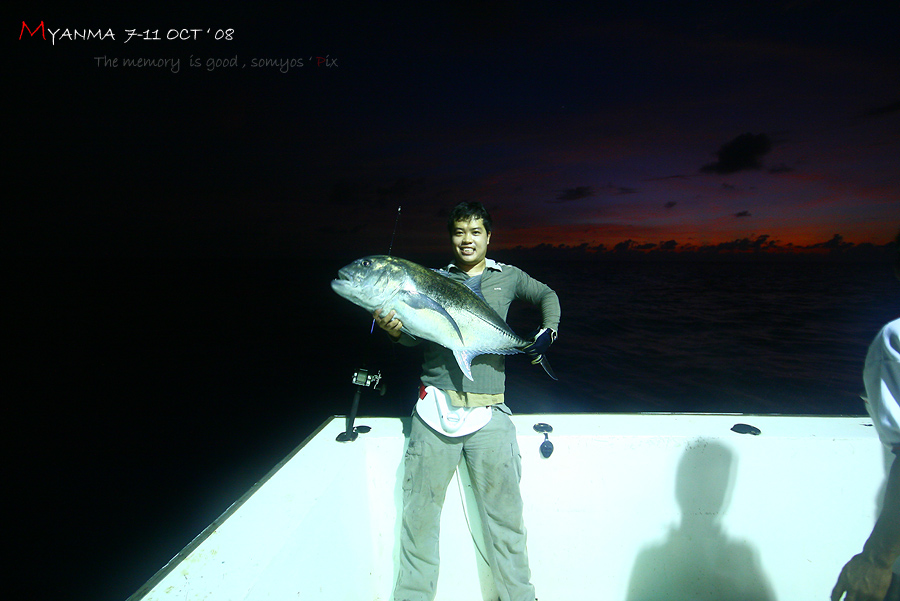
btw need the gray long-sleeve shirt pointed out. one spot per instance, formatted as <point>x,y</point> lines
<point>500,285</point>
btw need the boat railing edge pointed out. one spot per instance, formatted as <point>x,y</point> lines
<point>197,540</point>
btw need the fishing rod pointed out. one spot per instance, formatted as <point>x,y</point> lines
<point>364,377</point>
<point>390,249</point>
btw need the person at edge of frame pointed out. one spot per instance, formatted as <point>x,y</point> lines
<point>868,575</point>
<point>491,451</point>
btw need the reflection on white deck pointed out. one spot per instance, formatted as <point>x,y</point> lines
<point>628,507</point>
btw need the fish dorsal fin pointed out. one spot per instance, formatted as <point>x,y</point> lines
<point>474,284</point>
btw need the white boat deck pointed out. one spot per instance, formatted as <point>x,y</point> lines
<point>631,507</point>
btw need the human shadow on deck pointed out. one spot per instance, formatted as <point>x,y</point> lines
<point>697,561</point>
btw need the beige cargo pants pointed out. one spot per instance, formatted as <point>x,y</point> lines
<point>495,468</point>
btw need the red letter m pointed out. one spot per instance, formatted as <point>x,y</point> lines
<point>36,29</point>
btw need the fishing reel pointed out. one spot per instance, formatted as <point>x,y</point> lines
<point>362,378</point>
<point>365,378</point>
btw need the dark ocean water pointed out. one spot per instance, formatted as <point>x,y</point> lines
<point>716,337</point>
<point>150,394</point>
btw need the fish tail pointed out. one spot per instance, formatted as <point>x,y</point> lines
<point>540,359</point>
<point>546,365</point>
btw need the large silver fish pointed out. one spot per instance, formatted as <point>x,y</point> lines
<point>431,306</point>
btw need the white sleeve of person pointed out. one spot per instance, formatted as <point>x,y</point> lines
<point>881,377</point>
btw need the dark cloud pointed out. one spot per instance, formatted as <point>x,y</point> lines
<point>668,245</point>
<point>612,190</point>
<point>742,153</point>
<point>887,109</point>
<point>743,245</point>
<point>628,246</point>
<point>624,246</point>
<point>574,194</point>
<point>665,177</point>
<point>625,190</point>
<point>670,204</point>
<point>740,214</point>
<point>836,243</point>
<point>780,168</point>
<point>581,192</point>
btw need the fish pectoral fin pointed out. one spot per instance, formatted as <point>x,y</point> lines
<point>423,301</point>
<point>464,359</point>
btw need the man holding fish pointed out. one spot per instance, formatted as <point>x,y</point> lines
<point>464,414</point>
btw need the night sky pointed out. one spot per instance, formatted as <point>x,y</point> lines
<point>645,124</point>
<point>151,206</point>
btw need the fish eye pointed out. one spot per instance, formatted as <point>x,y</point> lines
<point>366,263</point>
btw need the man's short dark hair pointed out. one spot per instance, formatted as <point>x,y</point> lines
<point>467,211</point>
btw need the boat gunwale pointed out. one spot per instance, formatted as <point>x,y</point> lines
<point>200,538</point>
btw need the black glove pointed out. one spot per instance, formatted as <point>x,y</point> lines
<point>539,345</point>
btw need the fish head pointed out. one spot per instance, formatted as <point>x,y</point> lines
<point>369,282</point>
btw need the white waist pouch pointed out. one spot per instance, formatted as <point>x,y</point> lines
<point>435,410</point>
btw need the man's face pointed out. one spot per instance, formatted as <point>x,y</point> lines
<point>470,241</point>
